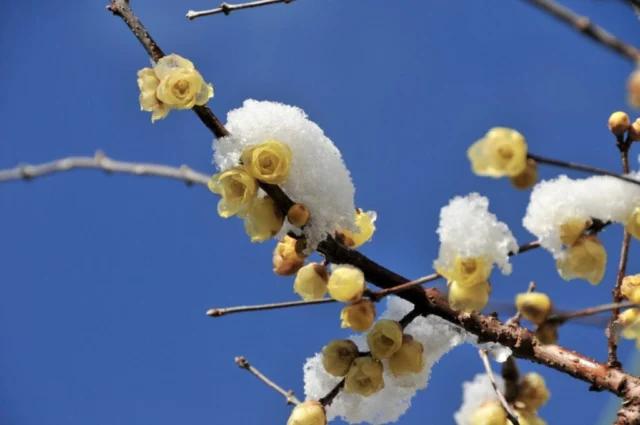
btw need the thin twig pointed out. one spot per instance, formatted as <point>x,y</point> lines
<point>328,399</point>
<point>487,365</point>
<point>516,317</point>
<point>100,162</point>
<point>217,312</point>
<point>288,395</point>
<point>561,318</point>
<point>227,8</point>
<point>581,167</point>
<point>584,25</point>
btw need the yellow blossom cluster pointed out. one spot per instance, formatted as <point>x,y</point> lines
<point>172,83</point>
<point>365,223</point>
<point>468,281</point>
<point>503,152</point>
<point>267,162</point>
<point>532,393</point>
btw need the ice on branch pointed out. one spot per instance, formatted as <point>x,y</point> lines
<point>468,230</point>
<point>390,403</point>
<point>557,205</point>
<point>318,177</point>
<point>474,394</point>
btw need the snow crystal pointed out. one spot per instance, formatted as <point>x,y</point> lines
<point>554,201</point>
<point>474,394</point>
<point>468,229</point>
<point>436,335</point>
<point>318,177</point>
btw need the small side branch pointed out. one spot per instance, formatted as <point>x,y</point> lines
<point>487,365</point>
<point>584,26</point>
<point>227,8</point>
<point>217,312</point>
<point>288,395</point>
<point>561,318</point>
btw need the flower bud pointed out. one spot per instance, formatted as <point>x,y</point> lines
<point>489,413</point>
<point>468,271</point>
<point>534,306</point>
<point>528,178</point>
<point>619,123</point>
<point>634,131</point>
<point>572,229</point>
<point>630,321</point>
<point>631,288</point>
<point>364,377</point>
<point>408,359</point>
<point>385,338</point>
<point>633,89</point>
<point>338,355</point>
<point>469,299</point>
<point>632,224</point>
<point>308,413</point>
<point>547,333</point>
<point>286,261</point>
<point>365,224</point>
<point>533,391</point>
<point>264,220</point>
<point>346,284</point>
<point>358,316</point>
<point>585,259</point>
<point>311,282</point>
<point>298,215</point>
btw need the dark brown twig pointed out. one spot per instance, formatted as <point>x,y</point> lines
<point>227,8</point>
<point>492,377</point>
<point>217,312</point>
<point>288,395</point>
<point>584,25</point>
<point>561,318</point>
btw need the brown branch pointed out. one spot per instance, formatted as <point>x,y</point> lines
<point>288,395</point>
<point>584,25</point>
<point>217,312</point>
<point>99,161</point>
<point>328,399</point>
<point>561,318</point>
<point>227,8</point>
<point>492,377</point>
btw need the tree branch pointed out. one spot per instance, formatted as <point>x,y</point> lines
<point>584,25</point>
<point>561,318</point>
<point>217,312</point>
<point>492,377</point>
<point>288,395</point>
<point>227,8</point>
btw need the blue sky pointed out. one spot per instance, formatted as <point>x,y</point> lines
<point>104,280</point>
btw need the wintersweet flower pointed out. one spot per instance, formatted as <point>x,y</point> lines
<point>364,377</point>
<point>534,306</point>
<point>533,391</point>
<point>181,85</point>
<point>527,417</point>
<point>365,223</point>
<point>633,223</point>
<point>338,355</point>
<point>468,272</point>
<point>308,413</point>
<point>408,359</point>
<point>501,152</point>
<point>385,338</point>
<point>264,220</point>
<point>268,162</point>
<point>572,229</point>
<point>311,282</point>
<point>469,299</point>
<point>346,283</point>
<point>238,190</point>
<point>586,259</point>
<point>633,89</point>
<point>630,321</point>
<point>528,178</point>
<point>489,413</point>
<point>358,316</point>
<point>631,288</point>
<point>286,257</point>
<point>148,84</point>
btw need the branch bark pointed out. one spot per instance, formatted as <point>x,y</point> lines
<point>492,377</point>
<point>288,395</point>
<point>227,8</point>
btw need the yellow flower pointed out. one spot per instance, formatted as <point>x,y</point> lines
<point>526,417</point>
<point>365,223</point>
<point>534,306</point>
<point>547,333</point>
<point>311,282</point>
<point>633,223</point>
<point>501,152</point>
<point>264,220</point>
<point>630,321</point>
<point>633,89</point>
<point>385,338</point>
<point>489,413</point>
<point>181,85</point>
<point>148,84</point>
<point>631,288</point>
<point>469,299</point>
<point>572,229</point>
<point>268,162</point>
<point>238,190</point>
<point>586,259</point>
<point>528,178</point>
<point>364,377</point>
<point>286,258</point>
<point>308,413</point>
<point>619,123</point>
<point>469,271</point>
<point>338,355</point>
<point>533,391</point>
<point>358,316</point>
<point>408,359</point>
<point>346,284</point>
